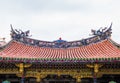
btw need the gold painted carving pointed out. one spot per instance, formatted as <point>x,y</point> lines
<point>95,66</point>
<point>22,66</point>
<point>78,79</point>
<point>75,73</point>
<point>8,71</point>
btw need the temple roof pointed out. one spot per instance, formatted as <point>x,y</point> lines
<point>98,48</point>
<point>100,51</point>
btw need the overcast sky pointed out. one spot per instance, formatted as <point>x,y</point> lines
<point>50,19</point>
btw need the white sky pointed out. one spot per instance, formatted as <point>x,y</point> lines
<point>50,19</point>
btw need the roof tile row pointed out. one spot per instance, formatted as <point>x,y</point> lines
<point>103,49</point>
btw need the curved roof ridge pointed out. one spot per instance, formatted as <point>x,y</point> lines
<point>113,42</point>
<point>58,48</point>
<point>23,37</point>
<point>100,41</point>
<point>98,35</point>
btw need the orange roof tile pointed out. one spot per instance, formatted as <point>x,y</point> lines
<point>97,51</point>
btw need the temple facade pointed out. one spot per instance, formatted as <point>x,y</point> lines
<point>91,60</point>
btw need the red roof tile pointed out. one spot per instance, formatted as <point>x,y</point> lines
<point>103,49</point>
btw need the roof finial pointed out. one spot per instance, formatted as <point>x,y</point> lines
<point>12,30</point>
<point>60,38</point>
